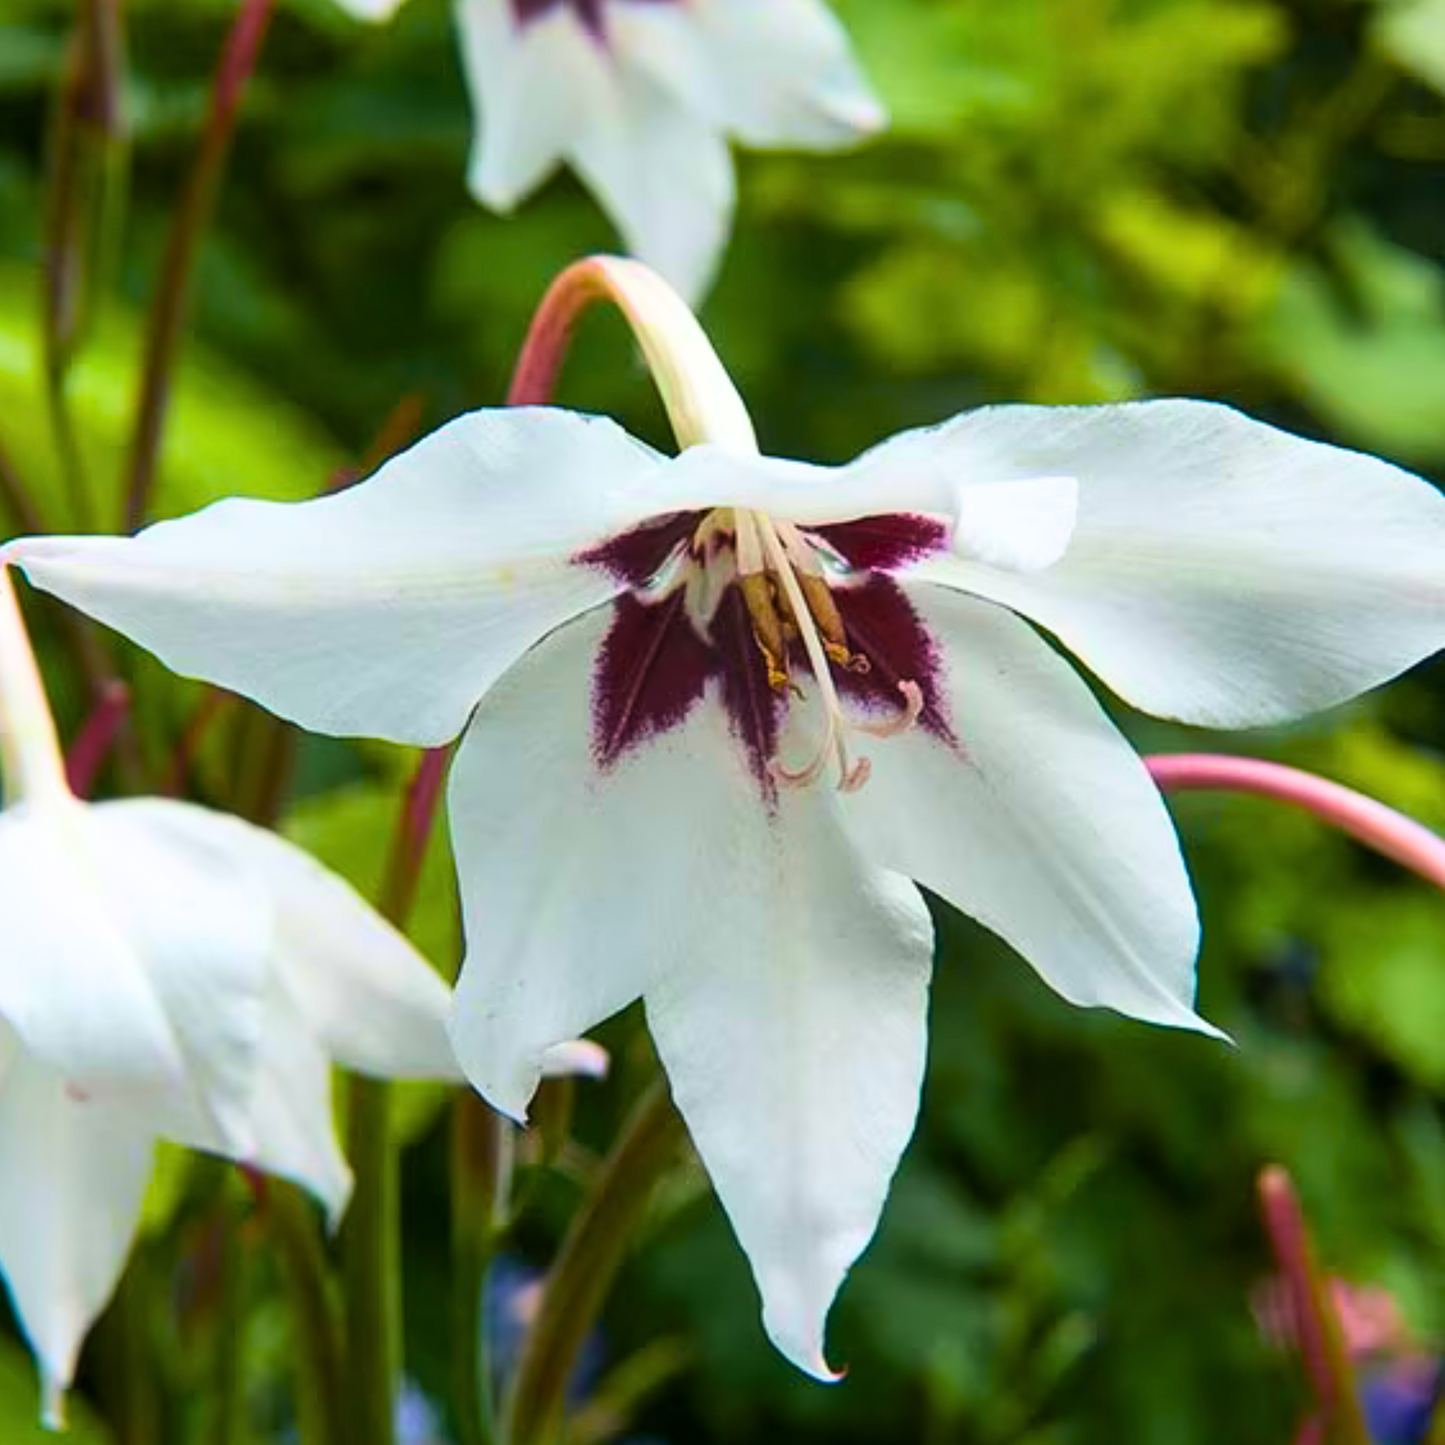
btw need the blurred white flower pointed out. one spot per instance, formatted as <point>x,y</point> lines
<point>640,97</point>
<point>657,663</point>
<point>168,971</point>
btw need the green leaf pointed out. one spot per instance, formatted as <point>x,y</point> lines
<point>1364,342</point>
<point>1413,34</point>
<point>1384,977</point>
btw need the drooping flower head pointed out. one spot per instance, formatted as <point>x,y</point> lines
<point>168,972</point>
<point>717,710</point>
<point>640,97</point>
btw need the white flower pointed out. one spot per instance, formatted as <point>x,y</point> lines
<point>168,971</point>
<point>660,667</point>
<point>640,96</point>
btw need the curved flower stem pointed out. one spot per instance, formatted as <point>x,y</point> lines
<point>588,1262</point>
<point>701,401</point>
<point>1392,834</point>
<point>1322,1341</point>
<point>168,313</point>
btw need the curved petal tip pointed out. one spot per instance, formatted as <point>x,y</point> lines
<point>506,1084</point>
<point>579,1058</point>
<point>803,1349</point>
<point>52,1400</point>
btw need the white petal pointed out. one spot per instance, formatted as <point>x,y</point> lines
<point>663,175</point>
<point>528,85</point>
<point>204,932</point>
<point>771,72</point>
<point>1221,571</point>
<point>1021,524</point>
<point>1041,822</point>
<point>386,609</point>
<point>291,1114</point>
<point>72,1178</point>
<point>785,984</point>
<point>581,1059</point>
<point>73,985</point>
<point>567,906</point>
<point>370,999</point>
<point>374,11</point>
<point>793,1027</point>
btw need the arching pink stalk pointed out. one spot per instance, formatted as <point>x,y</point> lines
<point>1372,823</point>
<point>92,743</point>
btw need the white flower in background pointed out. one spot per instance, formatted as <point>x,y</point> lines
<point>167,971</point>
<point>640,97</point>
<point>717,710</point>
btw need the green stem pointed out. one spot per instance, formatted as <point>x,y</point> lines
<point>168,313</point>
<point>265,751</point>
<point>370,1267</point>
<point>230,1412</point>
<point>370,1237</point>
<point>291,1223</point>
<point>129,1384</point>
<point>18,499</point>
<point>585,1268</point>
<point>481,1169</point>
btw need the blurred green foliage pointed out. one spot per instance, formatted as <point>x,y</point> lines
<point>1079,200</point>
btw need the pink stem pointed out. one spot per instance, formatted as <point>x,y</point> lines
<point>1371,823</point>
<point>1321,1339</point>
<point>539,363</point>
<point>1284,1223</point>
<point>92,744</point>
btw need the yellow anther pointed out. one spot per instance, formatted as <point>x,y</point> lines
<point>819,597</point>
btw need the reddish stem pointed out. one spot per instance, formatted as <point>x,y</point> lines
<point>91,745</point>
<point>168,314</point>
<point>1372,823</point>
<point>539,363</point>
<point>413,830</point>
<point>1321,1340</point>
<point>400,428</point>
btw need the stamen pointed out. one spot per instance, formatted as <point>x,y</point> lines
<point>891,727</point>
<point>750,546</point>
<point>769,630</point>
<point>833,738</point>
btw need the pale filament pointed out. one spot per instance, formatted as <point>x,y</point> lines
<point>760,532</point>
